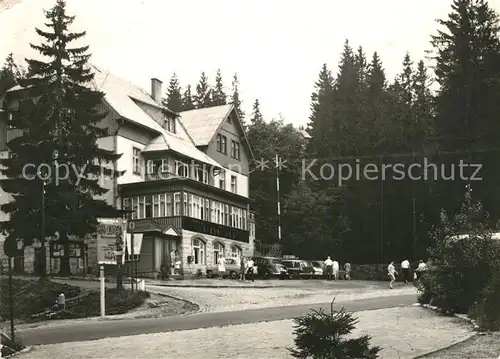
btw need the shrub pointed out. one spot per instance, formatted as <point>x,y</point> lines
<point>319,335</point>
<point>462,261</point>
<point>486,311</point>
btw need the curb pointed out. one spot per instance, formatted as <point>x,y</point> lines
<point>459,316</point>
<point>200,308</point>
<point>210,286</point>
<point>422,356</point>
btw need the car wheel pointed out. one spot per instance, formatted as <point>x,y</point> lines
<point>233,275</point>
<point>210,274</point>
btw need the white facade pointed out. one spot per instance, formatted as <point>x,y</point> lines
<point>125,163</point>
<point>242,184</point>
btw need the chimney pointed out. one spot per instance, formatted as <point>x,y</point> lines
<point>156,90</point>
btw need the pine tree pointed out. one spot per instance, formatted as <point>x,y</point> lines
<point>466,50</point>
<point>174,96</point>
<point>187,100</point>
<point>235,98</point>
<point>219,96</point>
<point>203,97</point>
<point>9,74</point>
<point>321,125</point>
<point>256,118</point>
<point>59,125</point>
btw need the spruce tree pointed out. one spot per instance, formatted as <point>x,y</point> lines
<point>219,97</point>
<point>203,97</point>
<point>235,98</point>
<point>9,74</point>
<point>256,118</point>
<point>466,52</point>
<point>321,125</point>
<point>59,125</point>
<point>187,100</point>
<point>174,95</point>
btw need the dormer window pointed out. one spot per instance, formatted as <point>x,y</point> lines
<point>170,124</point>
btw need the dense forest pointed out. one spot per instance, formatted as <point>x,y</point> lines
<point>359,117</point>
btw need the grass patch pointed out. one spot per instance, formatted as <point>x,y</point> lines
<point>35,296</point>
<point>31,297</point>
<point>116,303</point>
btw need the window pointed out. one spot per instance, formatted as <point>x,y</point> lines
<point>135,208</point>
<point>232,216</point>
<point>198,251</point>
<point>156,205</point>
<point>222,180</point>
<point>235,252</point>
<point>213,214</point>
<point>185,210</point>
<point>196,207</point>
<point>221,143</point>
<point>226,213</point>
<point>234,184</point>
<point>168,205</point>
<point>201,173</point>
<point>207,210</point>
<point>181,169</point>
<point>140,213</point>
<point>170,124</point>
<point>177,204</point>
<point>147,207</point>
<point>156,166</point>
<point>126,203</point>
<point>136,161</point>
<point>218,252</point>
<point>245,220</point>
<point>162,205</point>
<point>235,150</point>
<point>252,230</point>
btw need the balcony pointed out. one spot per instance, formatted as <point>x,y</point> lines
<point>191,224</point>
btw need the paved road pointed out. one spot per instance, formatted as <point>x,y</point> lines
<point>92,330</point>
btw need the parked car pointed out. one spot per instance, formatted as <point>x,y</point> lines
<point>319,268</point>
<point>270,267</point>
<point>232,269</point>
<point>299,268</point>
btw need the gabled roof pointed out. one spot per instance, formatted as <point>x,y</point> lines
<point>122,95</point>
<point>203,123</point>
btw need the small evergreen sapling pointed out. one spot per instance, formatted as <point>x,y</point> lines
<point>319,335</point>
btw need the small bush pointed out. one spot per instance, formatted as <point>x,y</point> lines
<point>487,310</point>
<point>319,335</point>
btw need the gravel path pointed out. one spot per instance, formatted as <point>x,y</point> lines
<point>229,299</point>
<point>401,332</point>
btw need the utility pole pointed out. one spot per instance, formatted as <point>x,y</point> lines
<point>278,197</point>
<point>414,227</point>
<point>381,213</point>
<point>42,234</point>
<point>11,304</point>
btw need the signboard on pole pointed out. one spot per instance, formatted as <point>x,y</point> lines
<point>110,239</point>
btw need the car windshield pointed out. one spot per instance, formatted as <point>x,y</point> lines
<point>276,261</point>
<point>316,264</point>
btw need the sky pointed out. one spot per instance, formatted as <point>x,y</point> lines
<point>277,47</point>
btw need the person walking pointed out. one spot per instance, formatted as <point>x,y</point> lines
<point>329,268</point>
<point>405,267</point>
<point>336,269</point>
<point>392,273</point>
<point>222,267</point>
<point>243,267</point>
<point>422,267</point>
<point>347,268</point>
<point>250,270</point>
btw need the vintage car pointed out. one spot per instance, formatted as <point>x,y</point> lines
<point>299,269</point>
<point>232,269</point>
